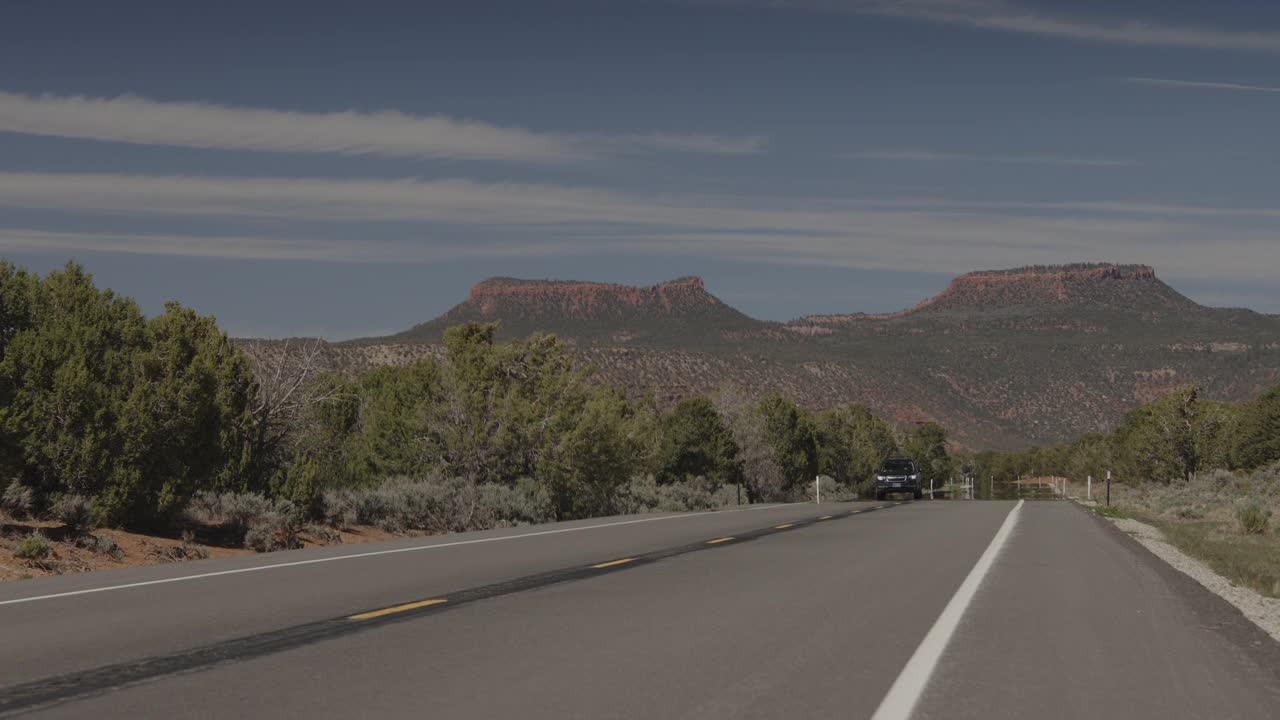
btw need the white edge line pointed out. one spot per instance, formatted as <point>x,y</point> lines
<point>274,566</point>
<point>907,690</point>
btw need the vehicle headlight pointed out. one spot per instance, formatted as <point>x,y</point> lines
<point>916,476</point>
<point>879,478</point>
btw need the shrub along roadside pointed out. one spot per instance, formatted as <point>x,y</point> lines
<point>98,401</point>
<point>34,546</point>
<point>1253,518</point>
<point>439,505</point>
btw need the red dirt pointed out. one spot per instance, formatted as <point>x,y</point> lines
<point>138,549</point>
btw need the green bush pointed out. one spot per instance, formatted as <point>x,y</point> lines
<point>1253,518</point>
<point>1257,440</point>
<point>697,443</point>
<point>34,546</point>
<point>131,412</point>
<point>853,441</point>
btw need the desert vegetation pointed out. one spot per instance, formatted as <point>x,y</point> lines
<point>111,419</point>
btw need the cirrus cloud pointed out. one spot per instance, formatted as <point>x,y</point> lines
<point>143,121</point>
<point>524,220</point>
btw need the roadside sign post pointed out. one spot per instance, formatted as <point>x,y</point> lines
<point>1108,488</point>
<point>817,490</point>
<point>1089,490</point>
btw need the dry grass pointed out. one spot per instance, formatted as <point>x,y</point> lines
<point>1252,560</point>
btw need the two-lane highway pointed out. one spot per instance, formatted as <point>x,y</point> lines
<point>800,611</point>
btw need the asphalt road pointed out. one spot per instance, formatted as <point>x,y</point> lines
<point>926,609</point>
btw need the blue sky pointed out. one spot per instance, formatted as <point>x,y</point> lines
<point>351,169</point>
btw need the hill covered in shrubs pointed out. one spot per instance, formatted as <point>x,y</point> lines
<point>110,418</point>
<point>1006,359</point>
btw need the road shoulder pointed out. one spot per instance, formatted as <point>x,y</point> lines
<point>1262,612</point>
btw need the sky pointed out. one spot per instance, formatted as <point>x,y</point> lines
<point>351,169</point>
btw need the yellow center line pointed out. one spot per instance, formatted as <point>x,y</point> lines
<point>611,563</point>
<point>855,512</point>
<point>825,517</point>
<point>398,609</point>
<point>719,540</point>
<point>879,507</point>
<point>782,527</point>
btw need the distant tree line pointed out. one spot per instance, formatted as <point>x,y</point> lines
<point>1170,440</point>
<point>144,418</point>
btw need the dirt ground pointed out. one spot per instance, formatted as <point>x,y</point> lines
<point>105,549</point>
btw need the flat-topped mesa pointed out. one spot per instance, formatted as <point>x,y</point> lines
<point>1076,291</point>
<point>592,311</point>
<point>574,300</point>
<point>1123,288</point>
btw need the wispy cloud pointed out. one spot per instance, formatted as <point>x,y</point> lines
<point>137,120</point>
<point>258,247</point>
<point>917,155</point>
<point>1012,17</point>
<point>935,235</point>
<point>1166,82</point>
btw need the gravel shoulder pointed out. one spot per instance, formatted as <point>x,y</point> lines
<point>1262,611</point>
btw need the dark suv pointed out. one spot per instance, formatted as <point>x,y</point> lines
<point>898,475</point>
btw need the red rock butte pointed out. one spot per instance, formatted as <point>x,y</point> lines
<point>574,299</point>
<point>1050,285</point>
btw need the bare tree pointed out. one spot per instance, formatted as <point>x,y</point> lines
<point>761,471</point>
<point>286,374</point>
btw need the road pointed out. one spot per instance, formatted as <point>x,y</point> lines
<point>885,610</point>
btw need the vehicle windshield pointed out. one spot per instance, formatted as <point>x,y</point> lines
<point>897,467</point>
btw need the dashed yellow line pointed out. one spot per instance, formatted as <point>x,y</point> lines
<point>611,563</point>
<point>398,609</point>
<point>783,527</point>
<point>825,517</point>
<point>855,512</point>
<point>878,507</point>
<point>719,540</point>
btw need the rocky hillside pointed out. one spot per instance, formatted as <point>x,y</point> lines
<point>1005,359</point>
